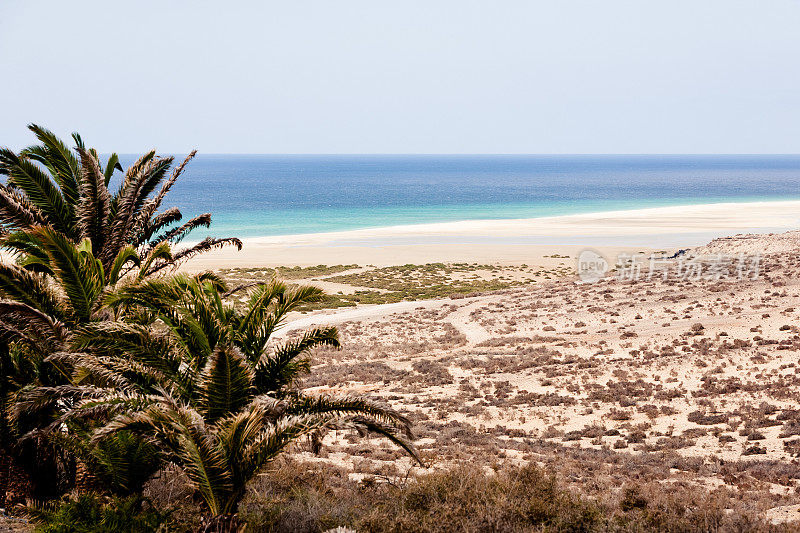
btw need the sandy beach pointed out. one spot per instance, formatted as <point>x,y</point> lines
<point>513,241</point>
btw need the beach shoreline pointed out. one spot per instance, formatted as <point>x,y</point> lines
<point>513,240</point>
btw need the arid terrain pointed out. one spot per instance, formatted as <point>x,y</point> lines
<point>674,391</point>
<point>669,380</point>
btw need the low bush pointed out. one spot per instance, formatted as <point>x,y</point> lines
<point>91,513</point>
<point>300,498</point>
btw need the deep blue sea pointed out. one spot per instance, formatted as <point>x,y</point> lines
<point>257,195</point>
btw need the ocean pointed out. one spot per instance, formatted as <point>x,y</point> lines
<point>260,195</point>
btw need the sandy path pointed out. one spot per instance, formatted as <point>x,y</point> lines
<point>460,319</point>
<point>331,287</point>
<point>463,322</point>
<point>365,313</point>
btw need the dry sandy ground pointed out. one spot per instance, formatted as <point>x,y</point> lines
<point>672,381</point>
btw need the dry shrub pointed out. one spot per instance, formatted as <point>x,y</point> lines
<point>297,497</point>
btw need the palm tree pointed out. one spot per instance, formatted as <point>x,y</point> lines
<point>210,388</point>
<point>92,344</point>
<point>50,185</point>
<point>44,300</point>
<point>54,199</point>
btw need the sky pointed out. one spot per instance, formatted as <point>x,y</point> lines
<point>431,76</point>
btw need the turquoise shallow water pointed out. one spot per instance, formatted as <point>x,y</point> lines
<point>258,223</point>
<point>259,195</point>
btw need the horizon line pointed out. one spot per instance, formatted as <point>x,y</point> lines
<point>456,154</point>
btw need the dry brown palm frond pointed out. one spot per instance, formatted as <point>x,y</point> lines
<point>176,235</point>
<point>25,317</point>
<point>243,286</point>
<point>156,224</point>
<point>17,212</point>
<point>170,182</point>
<point>151,206</point>
<point>132,193</point>
<point>30,288</point>
<point>207,244</point>
<point>95,208</point>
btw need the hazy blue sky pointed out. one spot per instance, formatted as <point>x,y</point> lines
<point>433,76</point>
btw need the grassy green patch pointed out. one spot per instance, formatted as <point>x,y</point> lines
<point>403,282</point>
<point>254,274</point>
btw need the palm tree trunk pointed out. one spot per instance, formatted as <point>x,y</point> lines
<point>84,480</point>
<point>5,429</point>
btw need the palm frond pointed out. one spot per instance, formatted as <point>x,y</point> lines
<point>391,433</point>
<point>32,401</point>
<point>272,440</point>
<point>107,403</point>
<point>347,406</point>
<point>226,383</point>
<point>259,304</point>
<point>176,235</point>
<point>38,188</point>
<point>111,166</point>
<point>161,253</point>
<point>126,255</point>
<point>139,343</point>
<point>179,302</point>
<point>16,212</point>
<point>207,244</point>
<point>156,224</point>
<point>140,180</point>
<point>58,159</point>
<point>95,201</point>
<point>31,289</point>
<point>150,209</point>
<point>28,250</point>
<point>183,433</point>
<point>80,274</point>
<point>283,367</point>
<point>24,318</point>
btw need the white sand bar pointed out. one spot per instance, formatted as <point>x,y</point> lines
<point>517,240</point>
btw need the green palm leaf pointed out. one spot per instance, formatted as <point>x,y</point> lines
<point>111,166</point>
<point>226,383</point>
<point>126,255</point>
<point>282,368</point>
<point>59,160</point>
<point>38,188</point>
<point>80,275</point>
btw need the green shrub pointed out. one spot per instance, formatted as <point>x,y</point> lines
<point>90,513</point>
